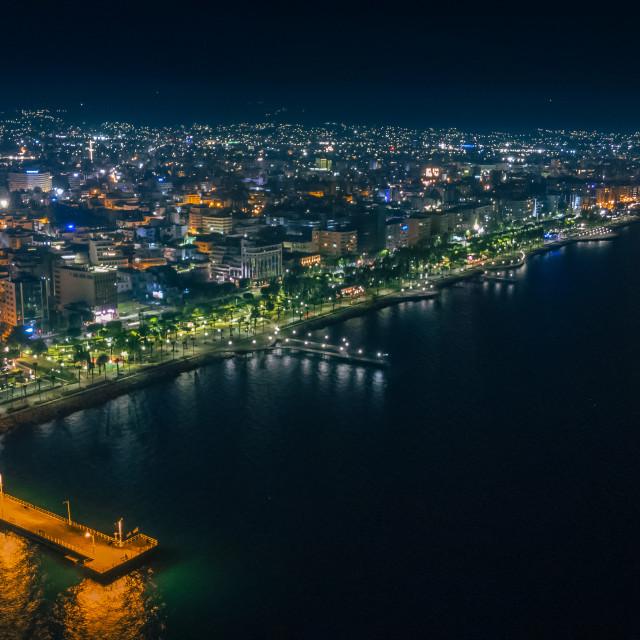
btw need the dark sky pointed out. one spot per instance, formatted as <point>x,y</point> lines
<point>486,65</point>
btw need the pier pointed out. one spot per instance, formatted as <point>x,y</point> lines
<point>496,278</point>
<point>341,352</point>
<point>101,557</point>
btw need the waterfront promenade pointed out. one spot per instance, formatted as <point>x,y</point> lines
<point>48,403</point>
<point>99,555</point>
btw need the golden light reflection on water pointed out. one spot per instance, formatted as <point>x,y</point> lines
<point>21,593</point>
<point>30,608</point>
<point>119,611</point>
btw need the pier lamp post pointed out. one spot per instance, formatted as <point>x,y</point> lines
<point>68,510</point>
<point>1,498</point>
<point>93,540</point>
<point>119,532</point>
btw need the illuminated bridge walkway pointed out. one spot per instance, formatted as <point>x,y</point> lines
<point>342,352</point>
<point>100,556</point>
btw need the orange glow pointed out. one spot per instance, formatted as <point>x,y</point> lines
<point>122,610</point>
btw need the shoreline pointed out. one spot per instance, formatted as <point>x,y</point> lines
<point>99,393</point>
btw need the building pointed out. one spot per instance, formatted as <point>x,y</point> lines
<point>30,180</point>
<point>24,300</point>
<point>148,261</point>
<point>334,243</point>
<point>103,253</point>
<point>516,209</point>
<point>261,262</point>
<point>309,261</point>
<point>95,286</point>
<point>323,164</point>
<point>419,229</point>
<point>441,223</point>
<point>207,220</point>
<point>396,234</point>
<point>299,246</point>
<point>207,243</point>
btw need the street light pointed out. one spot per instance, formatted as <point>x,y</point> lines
<point>119,532</point>
<point>68,510</point>
<point>93,540</point>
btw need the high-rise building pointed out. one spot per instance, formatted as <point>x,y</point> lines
<point>261,262</point>
<point>96,287</point>
<point>419,229</point>
<point>334,242</point>
<point>24,300</point>
<point>30,180</point>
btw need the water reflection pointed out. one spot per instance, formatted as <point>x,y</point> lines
<point>126,609</point>
<point>21,589</point>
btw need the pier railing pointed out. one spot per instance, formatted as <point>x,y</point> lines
<point>62,543</point>
<point>148,542</point>
<point>103,557</point>
<point>81,527</point>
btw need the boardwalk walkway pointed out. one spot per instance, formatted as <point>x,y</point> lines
<point>100,555</point>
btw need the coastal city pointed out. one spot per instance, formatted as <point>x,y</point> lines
<point>319,321</point>
<point>126,247</point>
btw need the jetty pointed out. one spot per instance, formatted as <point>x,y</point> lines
<point>101,557</point>
<point>496,278</point>
<point>344,352</point>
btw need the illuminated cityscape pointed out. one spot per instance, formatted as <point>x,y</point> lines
<point>319,321</point>
<point>100,219</point>
<point>133,254</point>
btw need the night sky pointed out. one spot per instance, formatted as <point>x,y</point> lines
<point>485,66</point>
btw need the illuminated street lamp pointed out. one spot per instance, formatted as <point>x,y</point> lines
<point>93,540</point>
<point>119,532</point>
<point>68,510</point>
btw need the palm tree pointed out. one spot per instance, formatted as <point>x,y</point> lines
<point>134,346</point>
<point>34,366</point>
<point>255,314</point>
<point>102,361</point>
<point>82,356</point>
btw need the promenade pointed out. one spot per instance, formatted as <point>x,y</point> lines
<point>100,556</point>
<point>43,403</point>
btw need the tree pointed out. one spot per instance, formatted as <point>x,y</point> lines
<point>102,361</point>
<point>95,328</point>
<point>255,314</point>
<point>114,328</point>
<point>34,366</point>
<point>134,345</point>
<point>18,339</point>
<point>39,346</point>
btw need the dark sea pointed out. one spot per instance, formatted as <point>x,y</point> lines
<point>485,485</point>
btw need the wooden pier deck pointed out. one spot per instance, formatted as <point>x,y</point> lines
<point>100,556</point>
